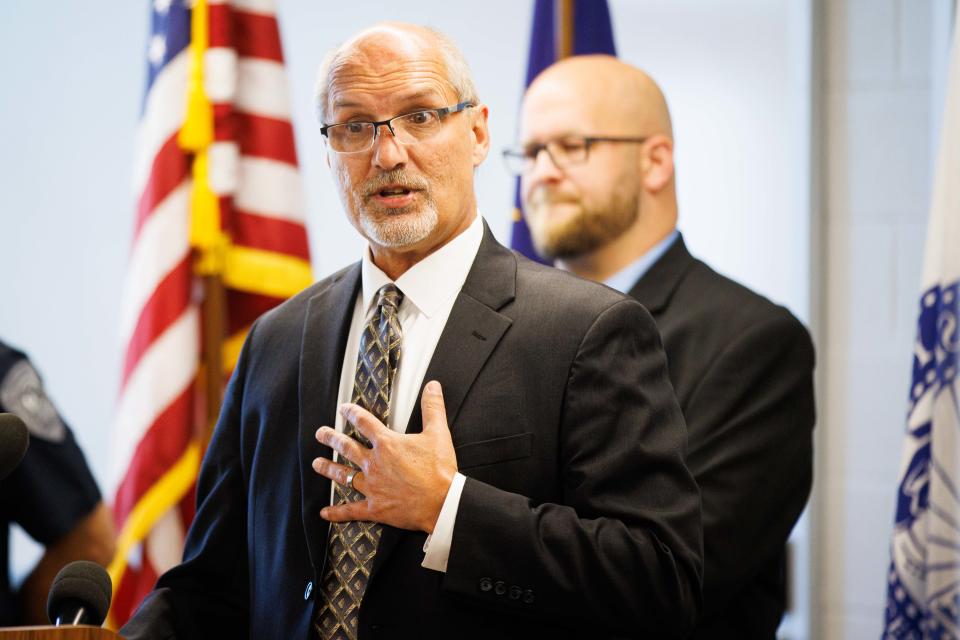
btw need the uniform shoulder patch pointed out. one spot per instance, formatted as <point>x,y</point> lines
<point>21,393</point>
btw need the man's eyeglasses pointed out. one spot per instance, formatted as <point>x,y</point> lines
<point>408,128</point>
<point>563,153</point>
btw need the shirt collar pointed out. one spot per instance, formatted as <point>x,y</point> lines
<point>624,279</point>
<point>433,281</point>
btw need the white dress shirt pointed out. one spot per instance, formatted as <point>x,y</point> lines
<point>429,288</point>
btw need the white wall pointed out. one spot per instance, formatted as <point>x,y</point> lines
<point>736,77</point>
<point>71,83</point>
<point>735,73</point>
<point>881,98</point>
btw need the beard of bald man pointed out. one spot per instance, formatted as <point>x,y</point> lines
<point>595,223</point>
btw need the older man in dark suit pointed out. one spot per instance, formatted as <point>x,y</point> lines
<point>538,487</point>
<point>598,185</point>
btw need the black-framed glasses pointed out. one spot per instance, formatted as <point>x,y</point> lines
<point>407,128</point>
<point>563,152</point>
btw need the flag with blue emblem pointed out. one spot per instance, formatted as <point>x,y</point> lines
<point>923,586</point>
<point>561,28</point>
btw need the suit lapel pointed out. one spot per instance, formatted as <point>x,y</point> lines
<point>325,331</point>
<point>655,288</point>
<point>472,332</point>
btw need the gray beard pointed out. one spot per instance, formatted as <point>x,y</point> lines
<point>401,229</point>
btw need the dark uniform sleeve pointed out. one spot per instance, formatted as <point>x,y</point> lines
<point>52,488</point>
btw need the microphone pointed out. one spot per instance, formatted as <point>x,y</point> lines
<point>80,594</point>
<point>14,440</point>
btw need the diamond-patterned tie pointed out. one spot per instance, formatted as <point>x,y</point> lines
<point>352,545</point>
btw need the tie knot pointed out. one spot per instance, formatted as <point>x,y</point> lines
<point>390,296</point>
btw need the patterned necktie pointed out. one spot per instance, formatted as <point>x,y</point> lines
<point>352,545</point>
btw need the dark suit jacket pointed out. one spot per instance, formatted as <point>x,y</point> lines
<point>578,516</point>
<point>742,369</point>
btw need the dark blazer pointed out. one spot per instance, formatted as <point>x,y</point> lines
<point>578,517</point>
<point>742,369</point>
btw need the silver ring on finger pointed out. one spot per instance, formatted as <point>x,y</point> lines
<point>350,476</point>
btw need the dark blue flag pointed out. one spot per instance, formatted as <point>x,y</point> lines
<point>553,37</point>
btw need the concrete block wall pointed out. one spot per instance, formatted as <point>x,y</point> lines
<point>879,100</point>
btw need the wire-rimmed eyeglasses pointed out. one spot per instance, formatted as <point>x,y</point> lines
<point>407,128</point>
<point>563,152</point>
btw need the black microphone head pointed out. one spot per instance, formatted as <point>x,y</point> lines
<point>81,584</point>
<point>14,439</point>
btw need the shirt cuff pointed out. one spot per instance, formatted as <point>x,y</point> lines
<point>437,546</point>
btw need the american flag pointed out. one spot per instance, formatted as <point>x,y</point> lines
<point>219,201</point>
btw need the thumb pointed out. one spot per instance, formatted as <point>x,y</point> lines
<point>432,407</point>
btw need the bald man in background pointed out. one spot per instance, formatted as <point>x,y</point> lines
<point>601,202</point>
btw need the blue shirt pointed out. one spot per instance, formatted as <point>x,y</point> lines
<point>624,279</point>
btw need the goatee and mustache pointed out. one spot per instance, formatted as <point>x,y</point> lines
<point>587,229</point>
<point>396,227</point>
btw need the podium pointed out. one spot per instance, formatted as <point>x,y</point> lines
<point>77,632</point>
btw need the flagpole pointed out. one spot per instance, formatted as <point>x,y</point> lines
<point>565,19</point>
<point>214,330</point>
<point>207,238</point>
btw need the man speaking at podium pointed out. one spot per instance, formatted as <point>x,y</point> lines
<point>443,440</point>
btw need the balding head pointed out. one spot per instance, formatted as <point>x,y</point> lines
<point>618,96</point>
<point>404,135</point>
<point>604,192</point>
<point>387,45</point>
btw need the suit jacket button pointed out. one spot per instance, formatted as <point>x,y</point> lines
<point>514,592</point>
<point>308,590</point>
<point>499,587</point>
<point>528,596</point>
<point>486,584</point>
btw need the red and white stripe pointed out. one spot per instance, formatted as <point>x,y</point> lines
<point>253,170</point>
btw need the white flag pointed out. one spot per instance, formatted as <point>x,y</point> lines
<point>923,590</point>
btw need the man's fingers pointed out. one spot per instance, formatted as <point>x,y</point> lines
<point>346,512</point>
<point>365,422</point>
<point>336,472</point>
<point>432,407</point>
<point>342,444</point>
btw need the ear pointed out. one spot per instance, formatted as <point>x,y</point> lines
<point>657,163</point>
<point>480,131</point>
